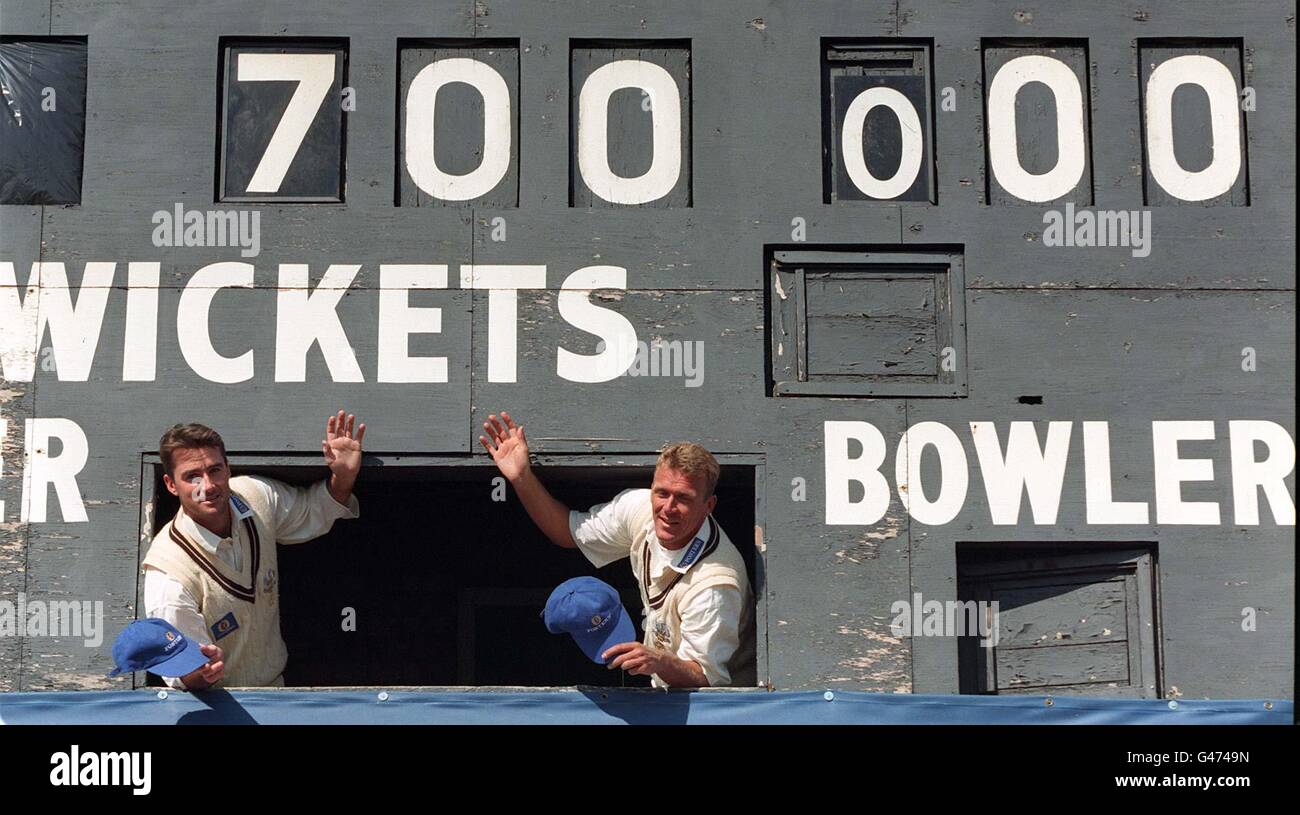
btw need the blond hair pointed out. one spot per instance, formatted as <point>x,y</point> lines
<point>693,460</point>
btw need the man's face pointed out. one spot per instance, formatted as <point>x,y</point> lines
<point>200,479</point>
<point>679,508</point>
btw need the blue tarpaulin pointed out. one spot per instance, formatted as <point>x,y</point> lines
<point>612,706</point>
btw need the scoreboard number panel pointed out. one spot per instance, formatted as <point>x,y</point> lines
<point>1038,122</point>
<point>879,145</point>
<point>458,114</point>
<point>630,124</point>
<point>1193,123</point>
<point>281,122</point>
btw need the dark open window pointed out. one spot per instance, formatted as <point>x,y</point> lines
<point>448,584</point>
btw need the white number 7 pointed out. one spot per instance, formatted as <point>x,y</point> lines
<point>314,74</point>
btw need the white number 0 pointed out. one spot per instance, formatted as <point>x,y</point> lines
<point>314,74</point>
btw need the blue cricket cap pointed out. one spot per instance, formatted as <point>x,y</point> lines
<point>590,611</point>
<point>155,645</point>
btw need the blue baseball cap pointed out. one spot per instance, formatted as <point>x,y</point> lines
<point>589,610</point>
<point>157,646</point>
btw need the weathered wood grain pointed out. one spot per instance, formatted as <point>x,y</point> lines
<point>1093,334</point>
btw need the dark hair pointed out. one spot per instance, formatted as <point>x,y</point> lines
<point>188,437</point>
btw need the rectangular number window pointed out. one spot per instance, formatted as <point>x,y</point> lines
<point>281,120</point>
<point>630,123</point>
<point>1038,122</point>
<point>1194,101</point>
<point>878,136</point>
<point>458,123</point>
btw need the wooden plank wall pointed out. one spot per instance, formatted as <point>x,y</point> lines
<point>1097,334</point>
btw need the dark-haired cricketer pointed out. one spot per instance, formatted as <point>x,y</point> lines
<point>211,570</point>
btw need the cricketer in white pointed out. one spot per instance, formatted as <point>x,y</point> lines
<point>208,568</point>
<point>694,588</point>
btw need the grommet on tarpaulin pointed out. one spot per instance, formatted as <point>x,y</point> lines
<point>162,694</point>
<point>1048,701</point>
<point>828,696</point>
<point>383,696</point>
<point>1173,704</point>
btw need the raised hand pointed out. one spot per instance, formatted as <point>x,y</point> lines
<point>342,449</point>
<point>506,443</point>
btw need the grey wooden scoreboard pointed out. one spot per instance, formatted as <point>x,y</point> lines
<point>978,304</point>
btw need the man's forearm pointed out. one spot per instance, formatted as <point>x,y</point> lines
<point>551,516</point>
<point>682,673</point>
<point>340,487</point>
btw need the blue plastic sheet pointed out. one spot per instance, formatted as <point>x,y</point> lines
<point>612,706</point>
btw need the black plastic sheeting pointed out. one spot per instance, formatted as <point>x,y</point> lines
<point>613,706</point>
<point>42,119</point>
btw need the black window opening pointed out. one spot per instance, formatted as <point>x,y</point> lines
<point>446,583</point>
<point>1071,618</point>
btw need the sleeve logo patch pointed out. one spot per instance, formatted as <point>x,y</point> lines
<point>226,625</point>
